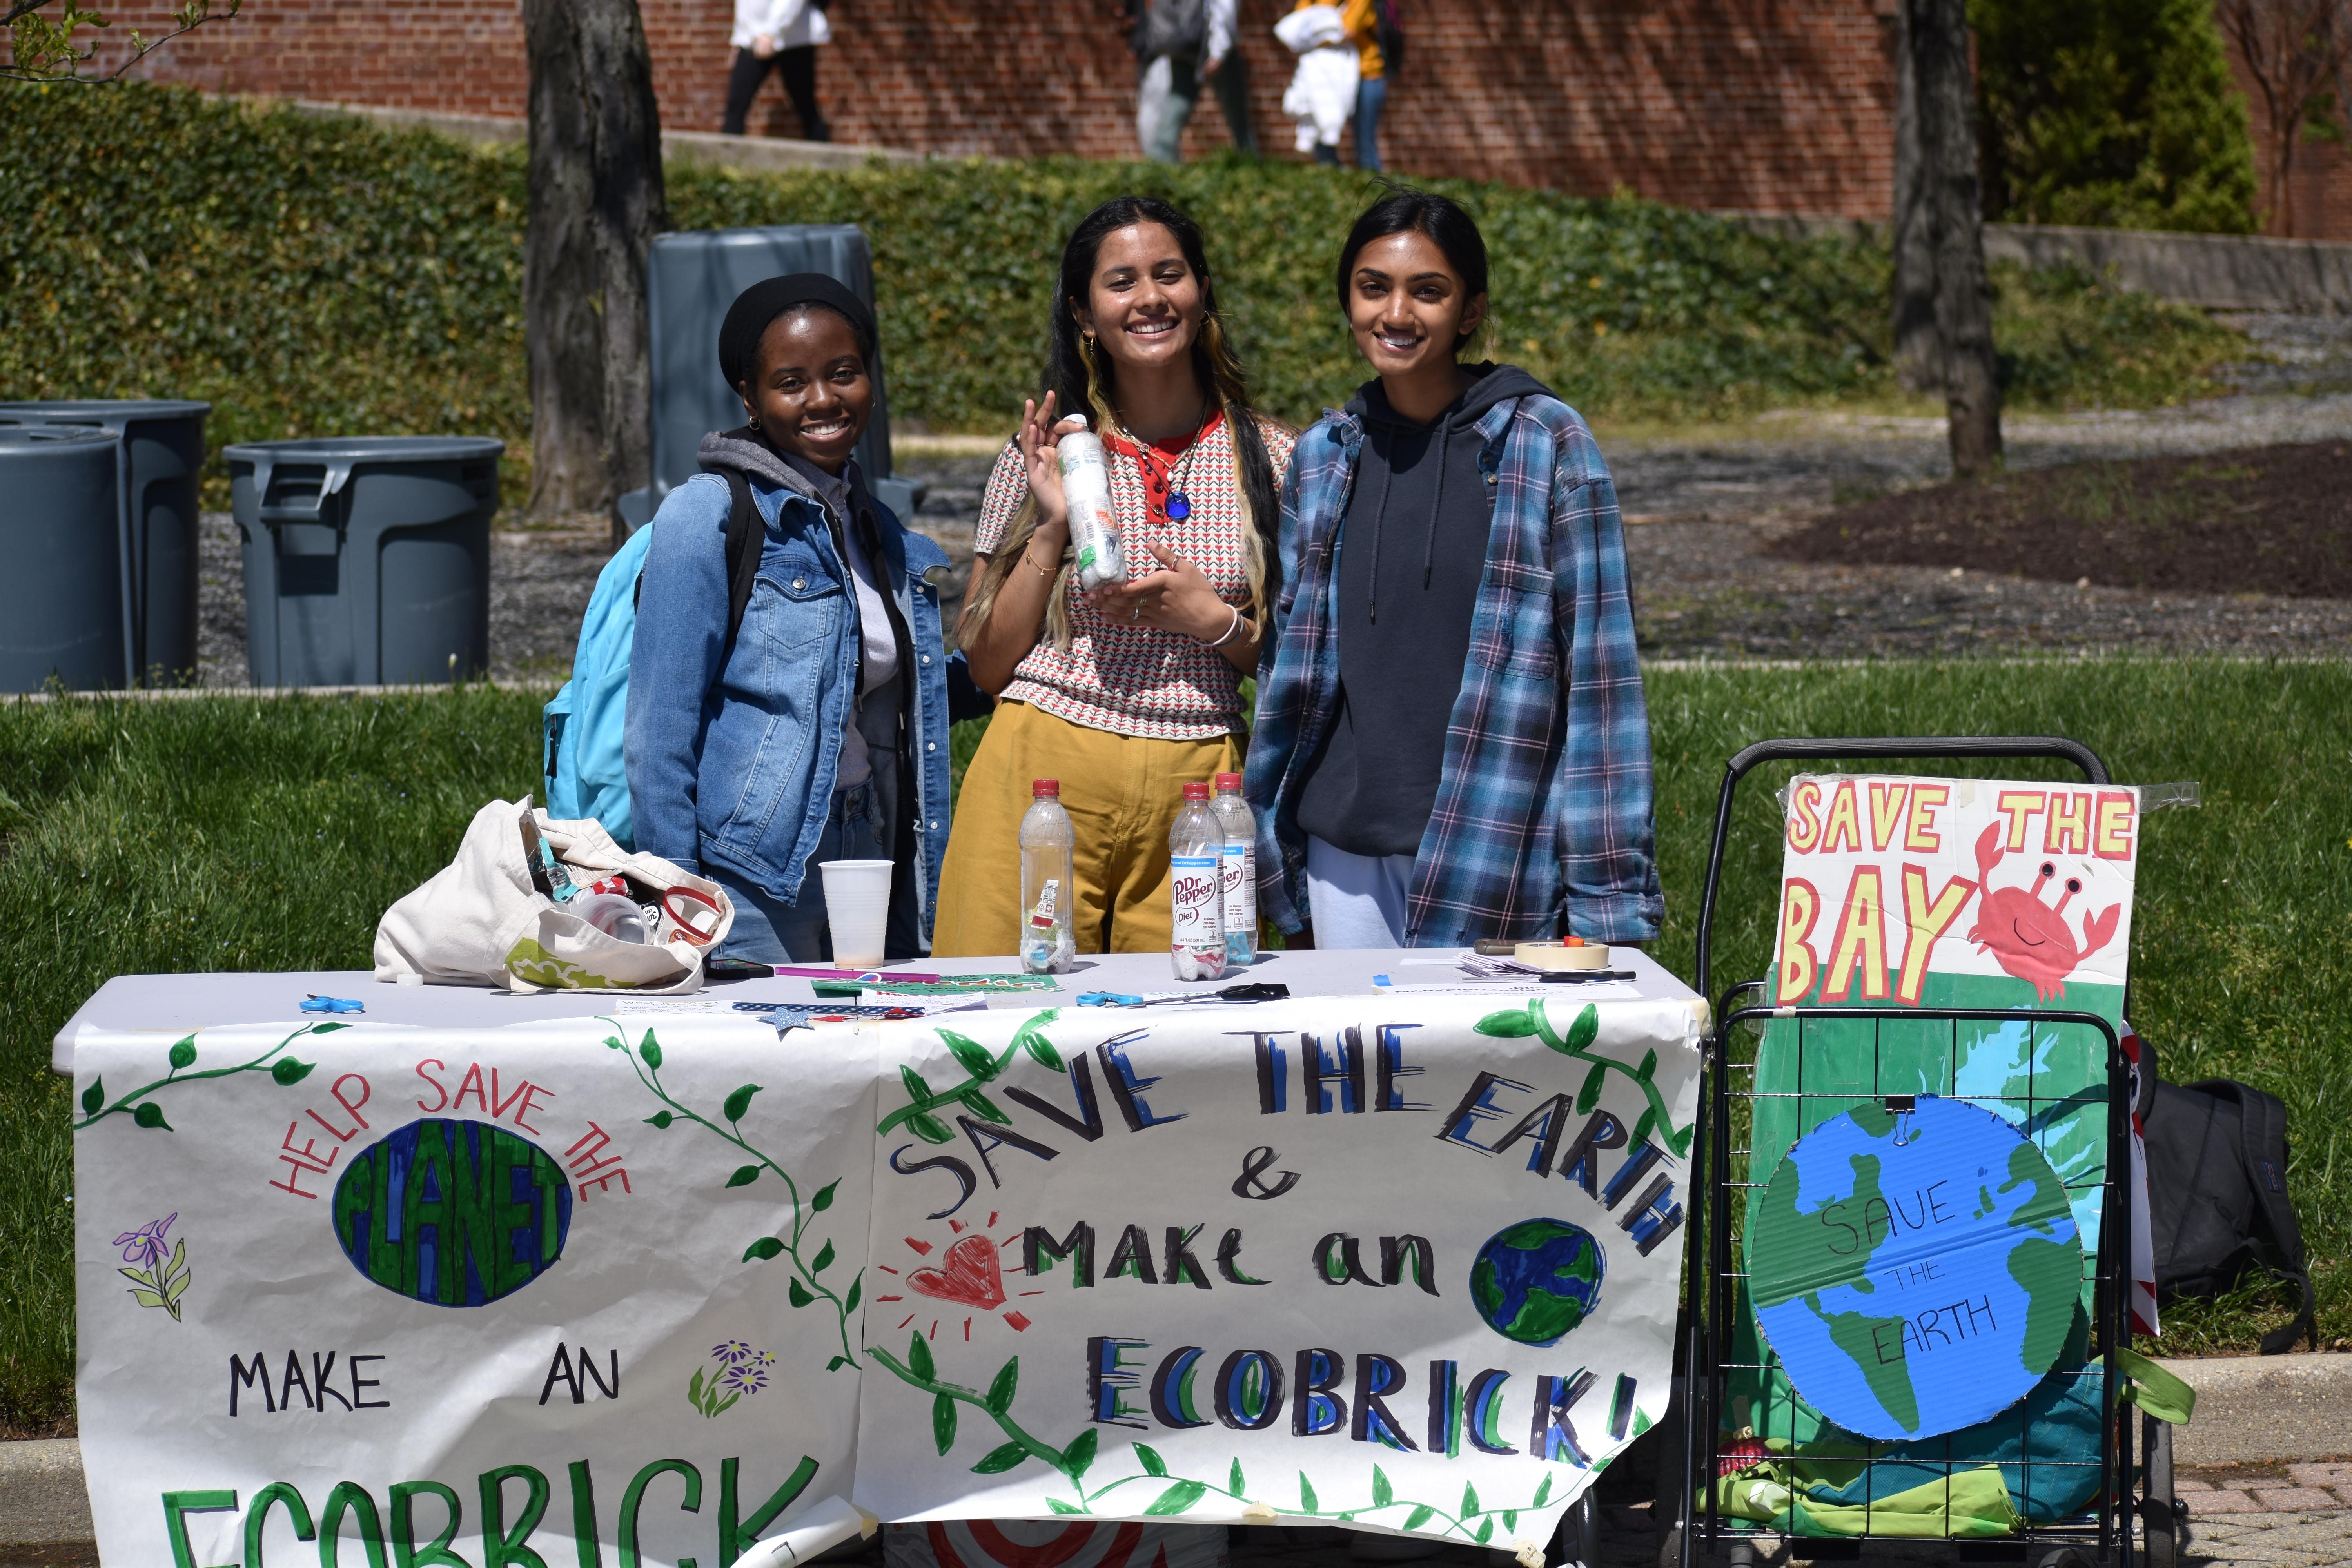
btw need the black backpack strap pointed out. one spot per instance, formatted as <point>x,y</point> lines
<point>2262,1123</point>
<point>745,533</point>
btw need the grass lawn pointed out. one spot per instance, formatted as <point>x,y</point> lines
<point>226,834</point>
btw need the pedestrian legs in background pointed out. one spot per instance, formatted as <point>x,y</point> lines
<point>1163,106</point>
<point>1356,900</point>
<point>768,930</point>
<point>1232,84</point>
<point>1370,94</point>
<point>798,65</point>
<point>1326,152</point>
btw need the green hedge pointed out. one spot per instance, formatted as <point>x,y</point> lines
<point>319,276</point>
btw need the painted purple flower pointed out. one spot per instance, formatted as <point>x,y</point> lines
<point>731,1351</point>
<point>749,1377</point>
<point>144,1246</point>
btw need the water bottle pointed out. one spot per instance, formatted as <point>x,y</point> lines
<point>1195,846</point>
<point>1238,869</point>
<point>1048,882</point>
<point>1086,487</point>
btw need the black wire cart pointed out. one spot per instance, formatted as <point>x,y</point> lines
<point>1732,1380</point>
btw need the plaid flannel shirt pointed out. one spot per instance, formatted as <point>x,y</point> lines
<point>1544,819</point>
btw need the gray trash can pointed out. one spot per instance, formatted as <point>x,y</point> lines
<point>690,279</point>
<point>162,458</point>
<point>60,541</point>
<point>367,558</point>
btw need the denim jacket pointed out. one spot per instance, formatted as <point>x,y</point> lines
<point>735,766</point>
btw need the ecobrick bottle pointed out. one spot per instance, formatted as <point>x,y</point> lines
<point>1196,847</point>
<point>1048,881</point>
<point>1237,867</point>
<point>1086,487</point>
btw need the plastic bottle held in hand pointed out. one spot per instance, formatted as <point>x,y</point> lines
<point>1048,882</point>
<point>1196,848</point>
<point>1086,487</point>
<point>1238,869</point>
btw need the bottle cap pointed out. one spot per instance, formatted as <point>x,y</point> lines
<point>1080,420</point>
<point>1229,781</point>
<point>1196,791</point>
<point>1039,788</point>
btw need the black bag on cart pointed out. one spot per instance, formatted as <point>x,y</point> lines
<point>2218,1202</point>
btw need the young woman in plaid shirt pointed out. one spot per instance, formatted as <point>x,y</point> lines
<point>1127,694</point>
<point>1452,742</point>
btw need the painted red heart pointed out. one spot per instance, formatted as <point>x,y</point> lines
<point>969,1280</point>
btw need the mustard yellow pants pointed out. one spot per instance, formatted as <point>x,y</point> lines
<point>1122,793</point>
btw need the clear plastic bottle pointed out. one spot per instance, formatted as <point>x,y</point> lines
<point>1196,845</point>
<point>1086,487</point>
<point>1238,869</point>
<point>1048,882</point>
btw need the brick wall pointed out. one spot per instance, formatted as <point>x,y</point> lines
<point>1778,105</point>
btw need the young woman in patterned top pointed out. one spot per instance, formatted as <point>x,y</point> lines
<point>1126,694</point>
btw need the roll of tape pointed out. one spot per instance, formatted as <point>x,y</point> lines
<point>1553,955</point>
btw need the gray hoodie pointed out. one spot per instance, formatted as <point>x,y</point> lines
<point>1411,550</point>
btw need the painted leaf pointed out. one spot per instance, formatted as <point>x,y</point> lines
<point>766,1248</point>
<point>1041,1049</point>
<point>1234,1481</point>
<point>1306,1492</point>
<point>151,1116</point>
<point>1178,1498</point>
<point>1509,1025</point>
<point>1153,1465</point>
<point>650,1049</point>
<point>970,1055</point>
<point>1000,1460</point>
<point>1469,1500</point>
<point>179,1259</point>
<point>929,1129</point>
<point>1589,1095</point>
<point>1642,1127</point>
<point>1000,1391</point>
<point>912,1081</point>
<point>823,1258</point>
<point>694,1389</point>
<point>1382,1495</point>
<point>176,1289</point>
<point>943,1420</point>
<point>1486,1531</point>
<point>744,1176</point>
<point>836,1363</point>
<point>824,1199</point>
<point>799,1293</point>
<point>727,1404</point>
<point>610,1044</point>
<point>919,1357</point>
<point>1059,1506</point>
<point>1649,1065</point>
<point>849,1302</point>
<point>738,1102</point>
<point>93,1097</point>
<point>660,1119</point>
<point>1080,1454</point>
<point>327,1028</point>
<point>1542,1491</point>
<point>1511,1519</point>
<point>148,1299</point>
<point>1421,1514</point>
<point>184,1054</point>
<point>1585,1028</point>
<point>985,1108</point>
<point>288,1072</point>
<point>139,1274</point>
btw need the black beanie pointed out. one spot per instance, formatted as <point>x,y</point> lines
<point>763,302</point>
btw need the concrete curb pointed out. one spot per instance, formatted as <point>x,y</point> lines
<point>2256,1408</point>
<point>42,1499</point>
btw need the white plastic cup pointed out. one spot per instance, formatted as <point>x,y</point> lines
<point>857,905</point>
<point>615,915</point>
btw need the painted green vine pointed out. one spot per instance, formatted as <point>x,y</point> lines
<point>979,1067</point>
<point>1473,1522</point>
<point>805,1288</point>
<point>284,1071</point>
<point>1532,1020</point>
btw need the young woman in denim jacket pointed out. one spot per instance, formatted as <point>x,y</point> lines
<point>1452,741</point>
<point>820,733</point>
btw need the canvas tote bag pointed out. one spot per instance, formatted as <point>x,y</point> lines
<point>479,920</point>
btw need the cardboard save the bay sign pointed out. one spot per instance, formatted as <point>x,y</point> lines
<point>660,1286</point>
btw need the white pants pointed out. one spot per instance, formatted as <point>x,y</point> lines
<point>1356,900</point>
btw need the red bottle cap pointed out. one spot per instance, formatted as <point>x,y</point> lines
<point>1038,788</point>
<point>1229,781</point>
<point>1196,791</point>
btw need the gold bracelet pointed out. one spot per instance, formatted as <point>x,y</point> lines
<point>1032,561</point>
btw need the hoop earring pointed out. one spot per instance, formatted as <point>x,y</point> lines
<point>755,422</point>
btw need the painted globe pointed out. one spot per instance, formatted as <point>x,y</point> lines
<point>1536,1280</point>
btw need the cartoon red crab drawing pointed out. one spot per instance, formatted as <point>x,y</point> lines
<point>2027,938</point>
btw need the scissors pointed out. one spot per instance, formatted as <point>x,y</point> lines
<point>318,1003</point>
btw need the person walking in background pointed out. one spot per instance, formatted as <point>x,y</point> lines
<point>778,34</point>
<point>1452,741</point>
<point>1179,43</point>
<point>1126,694</point>
<point>1325,87</point>
<point>1379,43</point>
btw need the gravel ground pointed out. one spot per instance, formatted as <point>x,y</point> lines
<point>1699,516</point>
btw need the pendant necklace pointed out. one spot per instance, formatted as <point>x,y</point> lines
<point>1180,505</point>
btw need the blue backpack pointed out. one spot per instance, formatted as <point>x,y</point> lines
<point>586,773</point>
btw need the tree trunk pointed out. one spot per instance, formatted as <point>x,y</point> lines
<point>1944,92</point>
<point>1918,356</point>
<point>596,201</point>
